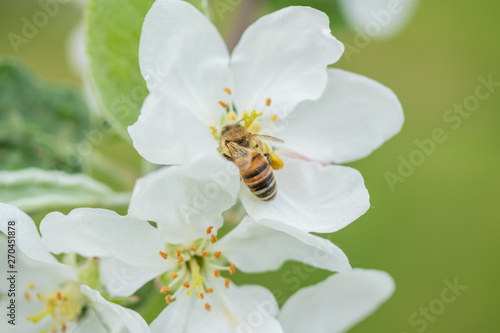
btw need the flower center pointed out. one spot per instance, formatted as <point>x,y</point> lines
<point>197,264</point>
<point>63,305</point>
<point>245,132</point>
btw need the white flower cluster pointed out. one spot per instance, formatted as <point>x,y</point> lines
<point>261,125</point>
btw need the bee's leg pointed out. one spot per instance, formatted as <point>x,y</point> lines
<point>268,157</point>
<point>227,157</point>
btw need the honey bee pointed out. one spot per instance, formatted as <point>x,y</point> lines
<point>253,158</point>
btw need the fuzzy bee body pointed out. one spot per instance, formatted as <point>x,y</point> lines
<point>240,147</point>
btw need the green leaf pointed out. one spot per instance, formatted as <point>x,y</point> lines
<point>34,189</point>
<point>40,123</point>
<point>114,30</point>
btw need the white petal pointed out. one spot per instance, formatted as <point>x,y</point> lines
<point>311,197</point>
<point>175,316</point>
<point>167,132</point>
<point>185,200</point>
<point>236,309</point>
<point>27,240</point>
<point>337,303</point>
<point>181,53</point>
<point>257,248</point>
<point>353,117</point>
<point>378,18</point>
<point>115,317</point>
<point>128,247</point>
<point>283,56</point>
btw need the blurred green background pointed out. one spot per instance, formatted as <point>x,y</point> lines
<point>441,222</point>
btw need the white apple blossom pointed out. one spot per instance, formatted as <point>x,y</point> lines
<point>337,303</point>
<point>182,253</point>
<point>51,296</point>
<point>379,18</point>
<point>276,82</point>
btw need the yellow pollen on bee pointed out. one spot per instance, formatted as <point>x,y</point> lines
<point>217,254</point>
<point>209,290</point>
<point>232,269</point>
<point>174,275</point>
<point>207,306</point>
<point>192,248</point>
<point>217,273</point>
<point>274,117</point>
<point>227,282</point>
<point>268,101</point>
<point>255,127</point>
<point>164,290</point>
<point>168,299</point>
<point>178,252</point>
<point>228,91</point>
<point>276,162</point>
<point>209,230</point>
<point>224,105</point>
<point>204,254</point>
<point>164,255</point>
<point>213,238</point>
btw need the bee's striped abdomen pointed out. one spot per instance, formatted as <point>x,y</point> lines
<point>258,176</point>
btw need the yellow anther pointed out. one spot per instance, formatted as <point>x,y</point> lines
<point>178,252</point>
<point>268,101</point>
<point>58,295</point>
<point>276,162</point>
<point>204,254</point>
<point>192,248</point>
<point>228,91</point>
<point>217,273</point>
<point>27,296</point>
<point>200,295</point>
<point>71,318</point>
<point>232,269</point>
<point>224,105</point>
<point>174,275</point>
<point>217,254</point>
<point>186,284</point>
<point>227,282</point>
<point>164,290</point>
<point>168,299</point>
<point>207,306</point>
<point>209,230</point>
<point>213,238</point>
<point>209,290</point>
<point>30,286</point>
<point>274,117</point>
<point>213,129</point>
<point>255,127</point>
<point>231,115</point>
<point>164,255</point>
<point>180,260</point>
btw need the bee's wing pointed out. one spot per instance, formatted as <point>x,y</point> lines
<point>268,137</point>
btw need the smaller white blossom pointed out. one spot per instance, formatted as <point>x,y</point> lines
<point>51,296</point>
<point>183,254</point>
